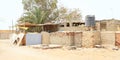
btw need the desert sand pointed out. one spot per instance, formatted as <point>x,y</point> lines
<point>8,52</point>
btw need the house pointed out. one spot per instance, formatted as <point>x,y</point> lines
<point>108,25</point>
<point>75,25</point>
<point>48,27</point>
<point>5,34</point>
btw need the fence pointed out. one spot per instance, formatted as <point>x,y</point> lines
<point>5,35</point>
<point>86,39</point>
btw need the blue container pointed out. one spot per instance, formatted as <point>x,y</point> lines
<point>33,38</point>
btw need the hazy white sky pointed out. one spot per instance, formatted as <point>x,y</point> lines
<point>102,9</point>
<point>9,10</point>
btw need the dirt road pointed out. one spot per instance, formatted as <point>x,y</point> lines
<point>8,52</point>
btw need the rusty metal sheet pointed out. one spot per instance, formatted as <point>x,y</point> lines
<point>117,42</point>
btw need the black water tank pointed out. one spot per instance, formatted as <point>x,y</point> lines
<point>90,20</point>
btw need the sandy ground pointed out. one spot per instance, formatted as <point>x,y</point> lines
<point>8,52</point>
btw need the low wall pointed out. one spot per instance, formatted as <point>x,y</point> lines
<point>78,39</point>
<point>61,38</point>
<point>45,38</point>
<point>84,39</point>
<point>79,28</point>
<point>87,39</point>
<point>90,39</point>
<point>5,35</point>
<point>108,38</point>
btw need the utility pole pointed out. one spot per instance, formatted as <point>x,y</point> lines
<point>24,23</point>
<point>12,26</point>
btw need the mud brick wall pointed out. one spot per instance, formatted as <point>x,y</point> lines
<point>108,38</point>
<point>45,38</point>
<point>78,28</point>
<point>5,35</point>
<point>90,38</point>
<point>61,38</point>
<point>86,39</point>
<point>78,39</point>
<point>98,26</point>
<point>111,26</point>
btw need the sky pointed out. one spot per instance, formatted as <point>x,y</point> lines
<point>102,9</point>
<point>11,10</point>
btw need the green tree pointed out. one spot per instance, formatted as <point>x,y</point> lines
<point>35,16</point>
<point>41,11</point>
<point>38,12</point>
<point>46,8</point>
<point>67,15</point>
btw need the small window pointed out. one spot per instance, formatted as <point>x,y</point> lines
<point>61,25</point>
<point>68,25</point>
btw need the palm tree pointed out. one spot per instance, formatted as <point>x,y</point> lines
<point>35,16</point>
<point>39,11</point>
<point>49,7</point>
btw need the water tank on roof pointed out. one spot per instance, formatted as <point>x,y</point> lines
<point>90,20</point>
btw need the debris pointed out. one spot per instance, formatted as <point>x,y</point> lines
<point>99,46</point>
<point>51,46</point>
<point>72,48</point>
<point>115,48</point>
